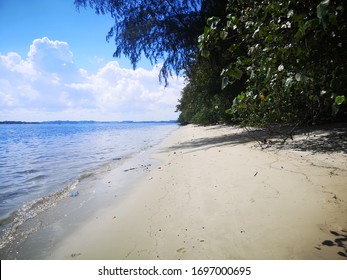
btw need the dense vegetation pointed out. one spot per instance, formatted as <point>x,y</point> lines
<point>247,62</point>
<point>290,56</point>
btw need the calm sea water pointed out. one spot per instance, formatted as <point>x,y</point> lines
<point>42,162</point>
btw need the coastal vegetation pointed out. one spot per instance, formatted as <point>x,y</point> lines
<point>254,63</point>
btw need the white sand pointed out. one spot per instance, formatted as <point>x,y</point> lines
<point>217,195</point>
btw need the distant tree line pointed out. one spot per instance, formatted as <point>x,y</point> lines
<point>245,62</point>
<point>17,122</point>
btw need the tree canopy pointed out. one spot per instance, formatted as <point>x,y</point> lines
<point>161,30</point>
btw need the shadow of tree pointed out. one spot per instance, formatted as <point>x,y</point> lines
<point>340,241</point>
<point>317,139</point>
<point>321,140</point>
<point>235,137</point>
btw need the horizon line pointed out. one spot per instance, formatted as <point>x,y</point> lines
<point>83,121</point>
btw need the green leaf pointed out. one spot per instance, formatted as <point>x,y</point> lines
<point>290,13</point>
<point>334,109</point>
<point>313,98</point>
<point>224,34</point>
<point>201,39</point>
<point>229,111</point>
<point>322,9</point>
<point>268,38</point>
<point>235,73</point>
<point>268,74</point>
<point>339,99</point>
<point>298,51</point>
<point>212,22</point>
<point>309,25</point>
<point>288,82</point>
<point>225,82</point>
<point>298,77</point>
<point>333,19</point>
<point>299,34</point>
<point>205,53</point>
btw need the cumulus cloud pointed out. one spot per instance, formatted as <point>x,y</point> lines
<point>48,85</point>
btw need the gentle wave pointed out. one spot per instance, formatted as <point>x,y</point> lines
<point>29,211</point>
<point>41,164</point>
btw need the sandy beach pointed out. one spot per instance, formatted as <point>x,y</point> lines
<point>215,193</point>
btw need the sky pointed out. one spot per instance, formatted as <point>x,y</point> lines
<point>55,64</point>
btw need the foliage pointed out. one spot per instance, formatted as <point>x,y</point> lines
<point>202,101</point>
<point>292,55</point>
<point>161,30</point>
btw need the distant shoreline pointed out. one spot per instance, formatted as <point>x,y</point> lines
<point>74,122</point>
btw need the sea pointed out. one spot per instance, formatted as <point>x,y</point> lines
<point>47,171</point>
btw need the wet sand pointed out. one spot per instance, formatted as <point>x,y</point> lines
<point>217,194</point>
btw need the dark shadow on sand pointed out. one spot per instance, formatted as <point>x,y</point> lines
<point>321,139</point>
<point>315,139</point>
<point>234,138</point>
<point>340,242</point>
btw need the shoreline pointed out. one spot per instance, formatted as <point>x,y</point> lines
<point>35,237</point>
<point>73,185</point>
<point>215,195</point>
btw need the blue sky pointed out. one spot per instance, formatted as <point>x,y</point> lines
<point>55,63</point>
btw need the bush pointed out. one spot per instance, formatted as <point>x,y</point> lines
<point>291,54</point>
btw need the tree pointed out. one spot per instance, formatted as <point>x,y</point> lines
<point>161,30</point>
<point>293,55</point>
<point>203,102</point>
<point>200,102</point>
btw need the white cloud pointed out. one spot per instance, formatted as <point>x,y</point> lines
<point>47,85</point>
<point>49,55</point>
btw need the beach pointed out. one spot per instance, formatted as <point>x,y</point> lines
<point>215,193</point>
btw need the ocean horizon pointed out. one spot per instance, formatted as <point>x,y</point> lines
<point>82,121</point>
